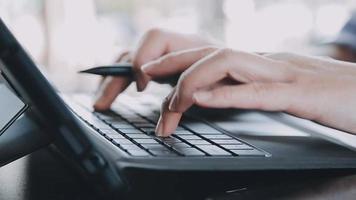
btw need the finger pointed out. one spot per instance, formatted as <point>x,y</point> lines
<point>176,62</point>
<point>261,96</point>
<point>156,43</point>
<point>239,66</point>
<point>109,91</point>
<point>168,121</point>
<point>124,57</point>
<point>110,87</point>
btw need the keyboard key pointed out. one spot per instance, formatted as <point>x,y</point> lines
<point>180,145</point>
<point>101,125</point>
<point>108,131</point>
<point>130,147</point>
<point>137,120</point>
<point>119,125</point>
<point>190,137</point>
<point>199,127</point>
<point>237,146</point>
<point>129,130</point>
<point>138,152</point>
<point>107,117</point>
<point>182,132</point>
<point>152,118</point>
<point>220,136</point>
<point>170,140</point>
<point>163,152</point>
<point>152,133</point>
<point>145,125</point>
<point>190,152</point>
<point>253,152</point>
<point>214,150</point>
<point>148,130</point>
<point>93,120</point>
<point>179,128</point>
<point>102,115</point>
<point>233,141</point>
<point>146,141</point>
<point>153,146</point>
<point>139,136</point>
<point>121,141</point>
<point>114,119</point>
<point>198,142</point>
<point>114,136</point>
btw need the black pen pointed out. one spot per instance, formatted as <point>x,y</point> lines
<point>119,69</point>
<point>124,70</point>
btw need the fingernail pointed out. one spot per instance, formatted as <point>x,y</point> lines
<point>202,96</point>
<point>138,87</point>
<point>159,127</point>
<point>146,67</point>
<point>139,84</point>
<point>173,104</point>
<point>100,104</point>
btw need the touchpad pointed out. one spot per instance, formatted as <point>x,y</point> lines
<point>256,124</point>
<point>11,107</point>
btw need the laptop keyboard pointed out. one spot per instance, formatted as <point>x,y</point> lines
<point>133,132</point>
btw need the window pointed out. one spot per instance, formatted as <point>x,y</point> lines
<point>66,36</point>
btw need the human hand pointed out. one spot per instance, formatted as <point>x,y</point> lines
<point>314,88</point>
<point>153,45</point>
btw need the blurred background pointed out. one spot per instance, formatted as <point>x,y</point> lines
<point>64,36</point>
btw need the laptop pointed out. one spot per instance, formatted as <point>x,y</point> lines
<point>118,154</point>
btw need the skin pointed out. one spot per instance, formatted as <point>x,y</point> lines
<point>154,44</point>
<point>308,87</point>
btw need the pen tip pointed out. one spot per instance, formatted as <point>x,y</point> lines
<point>83,71</point>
